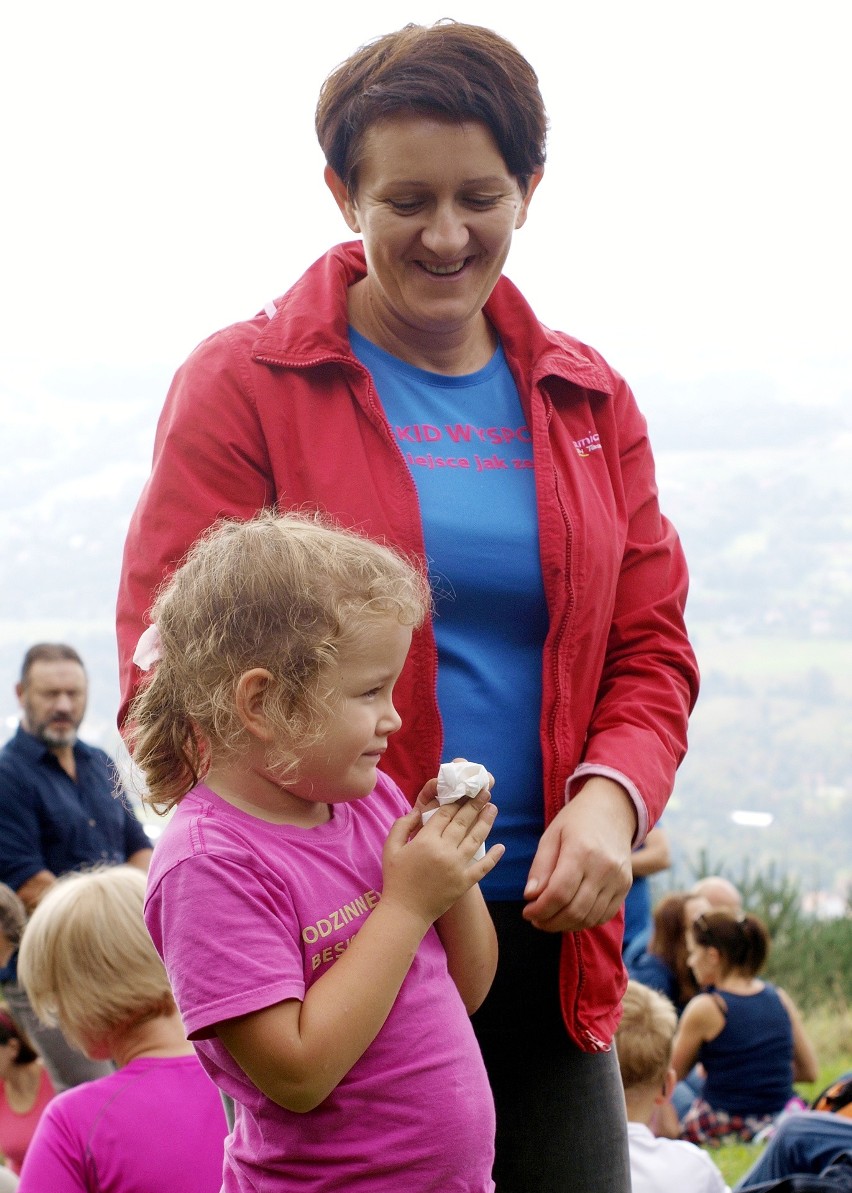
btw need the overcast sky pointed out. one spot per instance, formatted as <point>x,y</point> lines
<point>161,177</point>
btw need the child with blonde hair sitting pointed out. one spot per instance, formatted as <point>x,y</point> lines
<point>644,1045</point>
<point>157,1123</point>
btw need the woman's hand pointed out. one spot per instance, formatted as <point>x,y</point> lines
<point>427,867</point>
<point>582,869</point>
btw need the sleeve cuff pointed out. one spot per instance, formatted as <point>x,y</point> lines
<point>587,769</point>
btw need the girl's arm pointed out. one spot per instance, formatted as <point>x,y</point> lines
<point>295,1052</point>
<point>701,1021</point>
<point>470,942</point>
<point>466,930</point>
<point>805,1063</point>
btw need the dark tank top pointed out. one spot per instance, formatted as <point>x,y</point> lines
<point>750,1063</point>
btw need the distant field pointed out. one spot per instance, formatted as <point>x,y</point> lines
<point>773,658</point>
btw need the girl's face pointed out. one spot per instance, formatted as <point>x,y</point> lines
<point>704,962</point>
<point>342,764</point>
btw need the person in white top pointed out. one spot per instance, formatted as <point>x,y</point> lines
<point>644,1045</point>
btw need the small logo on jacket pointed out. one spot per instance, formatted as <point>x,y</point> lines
<point>588,444</point>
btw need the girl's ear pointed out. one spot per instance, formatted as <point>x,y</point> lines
<point>716,959</point>
<point>250,700</point>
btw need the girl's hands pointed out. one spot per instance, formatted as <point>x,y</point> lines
<point>428,867</point>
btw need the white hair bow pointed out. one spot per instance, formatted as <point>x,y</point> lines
<point>149,649</point>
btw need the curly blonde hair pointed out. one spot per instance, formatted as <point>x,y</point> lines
<point>279,592</point>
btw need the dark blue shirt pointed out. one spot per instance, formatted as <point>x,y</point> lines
<point>750,1063</point>
<point>50,822</point>
<point>652,971</point>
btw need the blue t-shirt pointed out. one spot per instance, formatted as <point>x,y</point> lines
<point>469,450</point>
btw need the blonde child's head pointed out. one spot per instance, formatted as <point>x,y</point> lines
<point>644,1037</point>
<point>740,939</point>
<point>87,961</point>
<point>282,593</point>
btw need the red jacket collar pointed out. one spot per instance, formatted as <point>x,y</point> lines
<point>311,325</point>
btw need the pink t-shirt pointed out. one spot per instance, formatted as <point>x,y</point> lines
<point>156,1124</point>
<point>16,1129</point>
<point>246,914</point>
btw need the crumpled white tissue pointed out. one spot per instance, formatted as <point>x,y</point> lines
<point>459,780</point>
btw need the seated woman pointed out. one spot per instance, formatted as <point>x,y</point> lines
<point>25,1090</point>
<point>746,1033</point>
<point>25,1087</point>
<point>663,966</point>
<point>87,962</point>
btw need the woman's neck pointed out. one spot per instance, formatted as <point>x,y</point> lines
<point>739,983</point>
<point>22,1084</point>
<point>453,351</point>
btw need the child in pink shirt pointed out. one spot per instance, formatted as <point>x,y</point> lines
<point>325,946</point>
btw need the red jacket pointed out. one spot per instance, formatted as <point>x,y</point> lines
<point>278,411</point>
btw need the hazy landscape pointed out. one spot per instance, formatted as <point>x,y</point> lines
<point>760,489</point>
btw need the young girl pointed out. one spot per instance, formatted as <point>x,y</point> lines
<point>325,950</point>
<point>746,1033</point>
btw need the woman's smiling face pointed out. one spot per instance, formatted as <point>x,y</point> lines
<point>436,207</point>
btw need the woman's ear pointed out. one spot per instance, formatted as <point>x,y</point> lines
<point>526,198</point>
<point>342,198</point>
<point>250,701</point>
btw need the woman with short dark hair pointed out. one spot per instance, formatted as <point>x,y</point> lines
<point>404,386</point>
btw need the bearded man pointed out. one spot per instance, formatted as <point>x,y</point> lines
<point>61,809</point>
